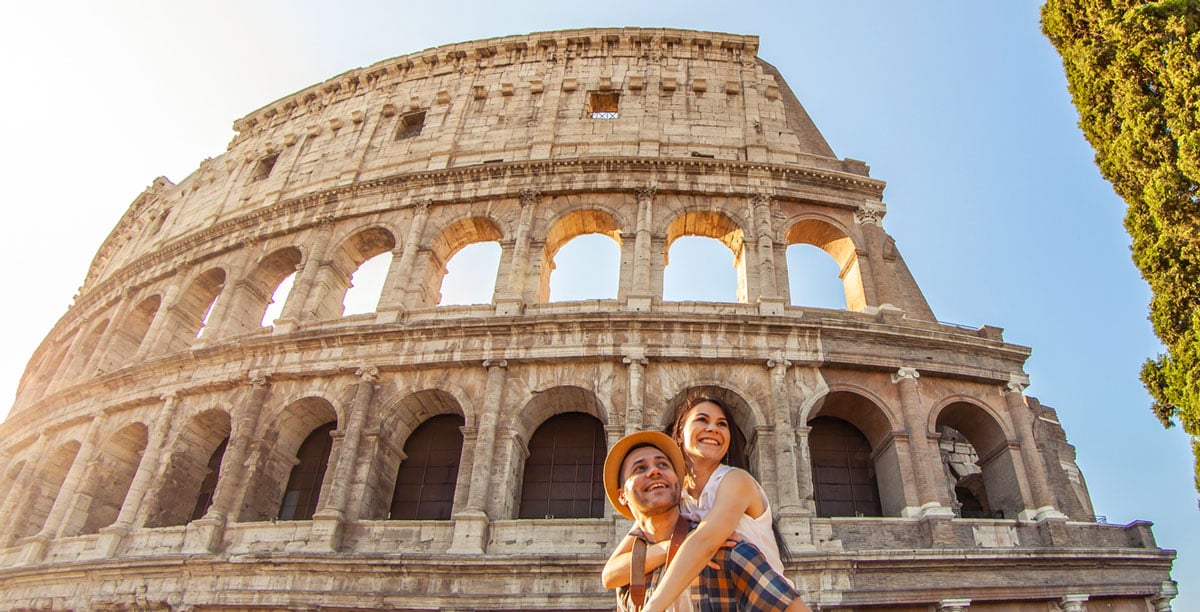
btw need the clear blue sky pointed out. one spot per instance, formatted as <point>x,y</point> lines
<point>962,108</point>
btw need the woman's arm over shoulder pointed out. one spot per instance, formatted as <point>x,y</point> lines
<point>616,570</point>
<point>736,491</point>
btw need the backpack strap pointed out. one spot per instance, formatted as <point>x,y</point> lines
<point>637,574</point>
<point>682,527</point>
<point>637,563</point>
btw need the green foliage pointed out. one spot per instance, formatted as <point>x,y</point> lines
<point>1133,69</point>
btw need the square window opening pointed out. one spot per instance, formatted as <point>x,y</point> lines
<point>603,104</point>
<point>263,168</point>
<point>410,125</point>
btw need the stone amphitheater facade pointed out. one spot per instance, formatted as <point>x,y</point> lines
<point>168,451</point>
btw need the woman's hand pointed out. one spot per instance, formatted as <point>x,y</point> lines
<point>616,569</point>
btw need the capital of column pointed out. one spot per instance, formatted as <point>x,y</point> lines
<point>761,199</point>
<point>1167,592</point>
<point>495,363</point>
<point>905,373</point>
<point>632,360</point>
<point>1017,383</point>
<point>954,605</point>
<point>423,205</point>
<point>773,363</point>
<point>169,396</point>
<point>529,196</point>
<point>1073,603</point>
<point>870,213</point>
<point>367,373</point>
<point>646,192</point>
<point>257,378</point>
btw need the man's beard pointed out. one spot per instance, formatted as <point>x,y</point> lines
<point>660,505</point>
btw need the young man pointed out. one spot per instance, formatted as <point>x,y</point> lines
<point>642,476</point>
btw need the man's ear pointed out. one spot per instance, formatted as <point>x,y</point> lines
<point>621,496</point>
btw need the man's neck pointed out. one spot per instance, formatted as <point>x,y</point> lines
<point>660,526</point>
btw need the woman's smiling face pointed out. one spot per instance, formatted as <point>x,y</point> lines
<point>705,432</point>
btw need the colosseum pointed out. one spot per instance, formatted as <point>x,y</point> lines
<point>171,449</point>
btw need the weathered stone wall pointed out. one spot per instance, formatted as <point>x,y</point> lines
<point>162,360</point>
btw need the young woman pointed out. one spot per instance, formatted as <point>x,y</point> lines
<point>727,502</point>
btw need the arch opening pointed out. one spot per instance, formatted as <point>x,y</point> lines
<point>108,478</point>
<point>697,259</point>
<point>189,470</point>
<point>428,475</point>
<point>580,260</point>
<point>563,475</point>
<point>356,277</point>
<point>854,459</point>
<point>840,247</point>
<point>814,278</point>
<point>463,264</point>
<point>977,458</point>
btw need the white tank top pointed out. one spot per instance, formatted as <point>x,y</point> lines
<point>756,531</point>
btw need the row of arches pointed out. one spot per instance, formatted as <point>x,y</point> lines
<point>321,277</point>
<point>409,469</point>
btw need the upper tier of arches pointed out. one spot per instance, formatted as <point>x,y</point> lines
<point>219,296</point>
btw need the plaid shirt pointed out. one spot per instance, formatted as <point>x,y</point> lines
<point>745,582</point>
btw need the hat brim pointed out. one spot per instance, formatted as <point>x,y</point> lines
<point>616,456</point>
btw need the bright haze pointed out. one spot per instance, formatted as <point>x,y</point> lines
<point>962,108</point>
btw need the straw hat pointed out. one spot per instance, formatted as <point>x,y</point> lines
<point>616,456</point>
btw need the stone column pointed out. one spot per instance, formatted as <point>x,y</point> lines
<point>301,301</point>
<point>70,500</point>
<point>635,411</point>
<point>1035,468</point>
<point>399,283</point>
<point>804,484</point>
<point>206,533</point>
<point>329,519</point>
<point>511,288</point>
<point>877,291</point>
<point>641,295</point>
<point>787,467</point>
<point>111,536</point>
<point>153,339</point>
<point>926,463</point>
<point>20,494</point>
<point>769,300</point>
<point>235,276</point>
<point>470,524</point>
<point>99,357</point>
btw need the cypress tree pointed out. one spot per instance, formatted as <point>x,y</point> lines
<point>1133,70</point>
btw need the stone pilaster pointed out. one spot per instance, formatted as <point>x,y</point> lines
<point>398,286</point>
<point>769,300</point>
<point>1043,505</point>
<point>641,295</point>
<point>153,338</point>
<point>206,533</point>
<point>303,300</point>
<point>111,536</point>
<point>70,507</point>
<point>511,289</point>
<point>330,518</point>
<point>787,467</point>
<point>635,410</point>
<point>470,524</point>
<point>926,462</point>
